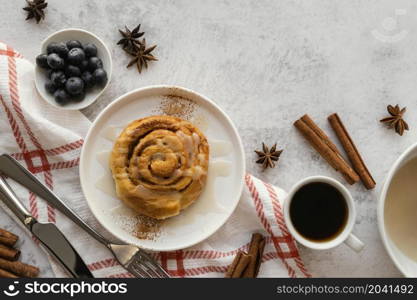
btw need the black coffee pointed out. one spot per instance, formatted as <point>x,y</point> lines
<point>318,211</point>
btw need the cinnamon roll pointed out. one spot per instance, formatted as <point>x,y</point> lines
<point>159,165</point>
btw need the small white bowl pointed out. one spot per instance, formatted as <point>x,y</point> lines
<point>406,265</point>
<point>84,37</point>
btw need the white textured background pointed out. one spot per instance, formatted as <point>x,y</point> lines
<point>266,63</point>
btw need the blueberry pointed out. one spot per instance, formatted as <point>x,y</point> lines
<point>84,65</point>
<point>72,71</point>
<point>52,48</point>
<point>61,50</point>
<point>61,97</point>
<point>90,50</point>
<point>50,87</point>
<point>88,79</point>
<point>74,86</point>
<point>42,61</point>
<point>79,98</point>
<point>55,62</point>
<point>76,56</point>
<point>58,78</point>
<point>100,77</point>
<point>94,63</point>
<point>74,44</point>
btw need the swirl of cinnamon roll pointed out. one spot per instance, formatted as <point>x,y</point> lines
<point>159,165</point>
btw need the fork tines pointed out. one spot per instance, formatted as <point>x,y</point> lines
<point>142,265</point>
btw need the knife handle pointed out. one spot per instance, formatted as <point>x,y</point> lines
<point>13,203</point>
<point>13,169</point>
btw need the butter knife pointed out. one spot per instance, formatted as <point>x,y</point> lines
<point>131,257</point>
<point>47,233</point>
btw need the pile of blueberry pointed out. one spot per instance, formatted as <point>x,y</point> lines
<point>72,69</point>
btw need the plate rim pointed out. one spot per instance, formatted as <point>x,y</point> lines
<point>204,98</point>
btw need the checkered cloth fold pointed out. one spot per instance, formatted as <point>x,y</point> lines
<point>48,142</point>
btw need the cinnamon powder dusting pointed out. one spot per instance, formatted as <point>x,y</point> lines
<point>139,226</point>
<point>177,106</point>
<point>147,228</point>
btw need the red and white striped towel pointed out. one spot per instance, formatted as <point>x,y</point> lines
<point>48,142</point>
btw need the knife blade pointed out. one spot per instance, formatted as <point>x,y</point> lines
<point>47,233</point>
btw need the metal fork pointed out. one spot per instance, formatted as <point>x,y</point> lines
<point>131,257</point>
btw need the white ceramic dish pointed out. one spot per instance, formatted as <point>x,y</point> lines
<point>219,198</point>
<point>406,265</point>
<point>84,37</point>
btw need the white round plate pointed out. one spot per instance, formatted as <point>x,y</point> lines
<point>84,37</point>
<point>225,176</point>
<point>406,265</point>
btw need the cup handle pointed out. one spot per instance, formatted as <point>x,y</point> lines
<point>354,243</point>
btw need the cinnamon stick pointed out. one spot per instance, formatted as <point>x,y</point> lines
<point>256,249</point>
<point>18,268</point>
<point>7,238</point>
<point>322,144</point>
<point>9,253</point>
<point>238,265</point>
<point>310,123</point>
<point>6,274</point>
<point>351,151</point>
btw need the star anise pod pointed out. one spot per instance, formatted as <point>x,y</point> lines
<point>141,56</point>
<point>267,157</point>
<point>35,9</point>
<point>396,120</point>
<point>130,38</point>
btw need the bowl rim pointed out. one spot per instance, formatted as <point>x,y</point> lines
<point>381,206</point>
<point>109,69</point>
<point>211,102</point>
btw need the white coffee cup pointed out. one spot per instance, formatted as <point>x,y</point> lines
<point>345,236</point>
